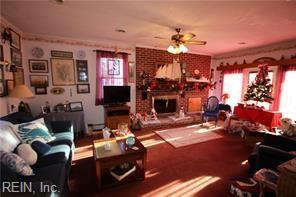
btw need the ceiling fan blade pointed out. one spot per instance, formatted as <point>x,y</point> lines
<point>187,36</point>
<point>197,42</point>
<point>158,37</point>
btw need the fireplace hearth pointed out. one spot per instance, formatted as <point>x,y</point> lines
<point>165,104</point>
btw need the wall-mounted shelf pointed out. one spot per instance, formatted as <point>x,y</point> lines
<point>283,62</point>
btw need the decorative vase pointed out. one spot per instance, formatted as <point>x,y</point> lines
<point>106,135</point>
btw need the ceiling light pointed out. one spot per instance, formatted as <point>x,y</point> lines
<point>120,30</point>
<point>177,49</point>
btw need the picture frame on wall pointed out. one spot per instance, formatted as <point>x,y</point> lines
<point>82,71</point>
<point>9,86</point>
<point>113,67</point>
<point>18,77</point>
<point>1,53</point>
<point>2,82</point>
<point>76,106</point>
<point>15,39</point>
<point>38,66</point>
<point>131,72</point>
<point>61,54</point>
<point>62,72</point>
<point>39,80</point>
<point>40,90</point>
<point>16,57</point>
<point>83,88</point>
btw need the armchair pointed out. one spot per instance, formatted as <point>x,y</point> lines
<point>273,151</point>
<point>211,109</point>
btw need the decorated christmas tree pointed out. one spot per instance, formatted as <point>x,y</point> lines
<point>260,90</point>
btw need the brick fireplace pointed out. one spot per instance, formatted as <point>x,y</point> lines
<point>146,60</point>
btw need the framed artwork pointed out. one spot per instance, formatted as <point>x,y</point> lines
<point>15,40</point>
<point>38,66</point>
<point>1,53</point>
<point>39,80</point>
<point>2,82</point>
<point>63,72</point>
<point>18,77</point>
<point>83,88</point>
<point>9,86</point>
<point>40,90</point>
<point>113,67</point>
<point>63,54</point>
<point>16,57</point>
<point>82,71</point>
<point>131,72</point>
<point>76,106</point>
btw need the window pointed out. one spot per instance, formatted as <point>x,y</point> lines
<point>111,71</point>
<point>252,76</point>
<point>232,84</point>
<point>288,95</point>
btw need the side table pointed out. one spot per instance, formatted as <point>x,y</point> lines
<point>287,179</point>
<point>77,118</point>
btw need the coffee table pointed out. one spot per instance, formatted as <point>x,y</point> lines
<point>118,154</point>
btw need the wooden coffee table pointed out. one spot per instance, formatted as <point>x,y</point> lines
<point>118,154</point>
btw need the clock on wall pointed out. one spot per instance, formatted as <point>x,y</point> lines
<point>37,52</point>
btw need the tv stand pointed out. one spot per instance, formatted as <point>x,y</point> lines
<point>116,114</point>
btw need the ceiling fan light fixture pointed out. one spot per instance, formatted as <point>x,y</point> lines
<point>177,49</point>
<point>172,49</point>
<point>183,48</point>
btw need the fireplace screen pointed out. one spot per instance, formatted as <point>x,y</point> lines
<point>164,106</point>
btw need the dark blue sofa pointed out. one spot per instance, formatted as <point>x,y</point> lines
<point>52,168</point>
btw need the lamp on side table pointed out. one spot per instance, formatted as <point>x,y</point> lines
<point>22,92</point>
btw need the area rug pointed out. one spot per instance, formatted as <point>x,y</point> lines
<point>188,135</point>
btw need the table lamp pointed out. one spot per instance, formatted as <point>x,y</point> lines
<point>22,91</point>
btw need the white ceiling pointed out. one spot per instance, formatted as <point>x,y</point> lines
<point>221,24</point>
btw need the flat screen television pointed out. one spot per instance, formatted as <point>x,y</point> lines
<point>117,94</point>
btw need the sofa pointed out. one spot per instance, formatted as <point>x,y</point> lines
<point>52,168</point>
<point>271,152</point>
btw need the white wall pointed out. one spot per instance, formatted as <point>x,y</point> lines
<point>276,51</point>
<point>93,114</point>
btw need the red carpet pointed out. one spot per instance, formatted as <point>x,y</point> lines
<point>200,169</point>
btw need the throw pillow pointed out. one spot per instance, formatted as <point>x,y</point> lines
<point>15,163</point>
<point>26,152</point>
<point>8,139</point>
<point>35,129</point>
<point>40,147</point>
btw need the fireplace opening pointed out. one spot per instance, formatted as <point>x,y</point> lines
<point>165,105</point>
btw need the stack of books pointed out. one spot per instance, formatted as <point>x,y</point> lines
<point>122,171</point>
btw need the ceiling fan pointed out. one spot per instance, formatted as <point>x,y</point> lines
<point>179,40</point>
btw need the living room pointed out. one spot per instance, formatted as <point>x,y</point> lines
<point>186,88</point>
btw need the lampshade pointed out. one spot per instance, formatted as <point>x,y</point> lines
<point>21,91</point>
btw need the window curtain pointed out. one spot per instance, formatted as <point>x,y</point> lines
<point>287,104</point>
<point>101,67</point>
<point>277,89</point>
<point>233,85</point>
